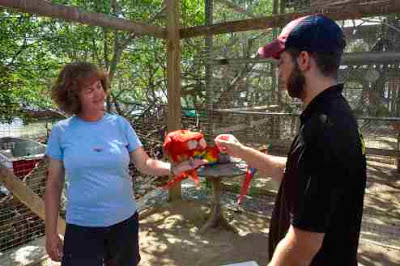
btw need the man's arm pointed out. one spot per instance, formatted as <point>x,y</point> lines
<point>298,248</point>
<point>271,166</point>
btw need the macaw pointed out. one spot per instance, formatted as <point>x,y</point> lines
<point>250,170</point>
<point>247,180</point>
<point>182,145</point>
<point>246,183</point>
<point>211,154</point>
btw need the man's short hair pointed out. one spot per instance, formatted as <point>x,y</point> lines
<point>327,62</point>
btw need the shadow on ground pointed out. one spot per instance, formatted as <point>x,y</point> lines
<point>169,236</point>
<point>374,255</point>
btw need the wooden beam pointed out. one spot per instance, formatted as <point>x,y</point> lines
<point>47,9</point>
<point>254,108</point>
<point>354,12</point>
<point>363,58</point>
<point>371,58</point>
<point>283,145</point>
<point>282,114</point>
<point>358,75</point>
<point>237,26</point>
<point>174,78</point>
<point>362,31</point>
<point>26,195</point>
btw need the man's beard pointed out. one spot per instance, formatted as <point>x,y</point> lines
<point>296,82</point>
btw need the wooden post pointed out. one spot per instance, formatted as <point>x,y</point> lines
<point>26,195</point>
<point>274,86</point>
<point>174,78</point>
<point>282,7</point>
<point>398,152</point>
<point>276,121</point>
<point>209,72</point>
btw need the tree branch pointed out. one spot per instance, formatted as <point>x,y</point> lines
<point>48,9</point>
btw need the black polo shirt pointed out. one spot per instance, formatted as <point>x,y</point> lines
<point>324,181</point>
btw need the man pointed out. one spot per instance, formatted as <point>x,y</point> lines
<point>317,214</point>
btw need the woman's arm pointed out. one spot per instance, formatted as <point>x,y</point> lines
<point>147,165</point>
<point>54,187</point>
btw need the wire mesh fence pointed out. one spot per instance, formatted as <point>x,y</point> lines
<point>22,152</point>
<point>230,90</point>
<point>243,96</point>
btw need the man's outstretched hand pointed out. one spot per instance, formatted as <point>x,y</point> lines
<point>229,144</point>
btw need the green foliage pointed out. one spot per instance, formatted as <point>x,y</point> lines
<point>8,81</point>
<point>33,50</point>
<point>193,13</point>
<point>24,66</point>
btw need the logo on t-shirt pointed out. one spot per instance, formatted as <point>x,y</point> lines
<point>97,149</point>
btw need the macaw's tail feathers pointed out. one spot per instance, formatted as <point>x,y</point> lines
<point>240,199</point>
<point>249,176</point>
<point>174,181</point>
<point>195,177</point>
<point>245,186</point>
<point>192,173</point>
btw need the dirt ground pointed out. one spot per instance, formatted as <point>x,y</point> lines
<point>169,236</point>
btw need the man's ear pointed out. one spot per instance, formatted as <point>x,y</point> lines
<point>304,61</point>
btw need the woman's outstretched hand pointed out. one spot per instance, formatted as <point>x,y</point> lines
<point>184,166</point>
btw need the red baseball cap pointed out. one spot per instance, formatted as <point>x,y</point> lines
<point>313,33</point>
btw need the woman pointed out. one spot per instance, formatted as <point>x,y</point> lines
<point>93,149</point>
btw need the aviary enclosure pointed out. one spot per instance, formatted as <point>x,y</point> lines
<point>178,64</point>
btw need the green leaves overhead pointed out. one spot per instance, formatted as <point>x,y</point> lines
<point>35,48</point>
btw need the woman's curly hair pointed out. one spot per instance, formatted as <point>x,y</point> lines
<point>71,80</point>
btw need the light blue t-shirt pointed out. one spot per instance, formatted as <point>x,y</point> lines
<point>96,159</point>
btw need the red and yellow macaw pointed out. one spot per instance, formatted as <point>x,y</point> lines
<point>210,154</point>
<point>182,145</point>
